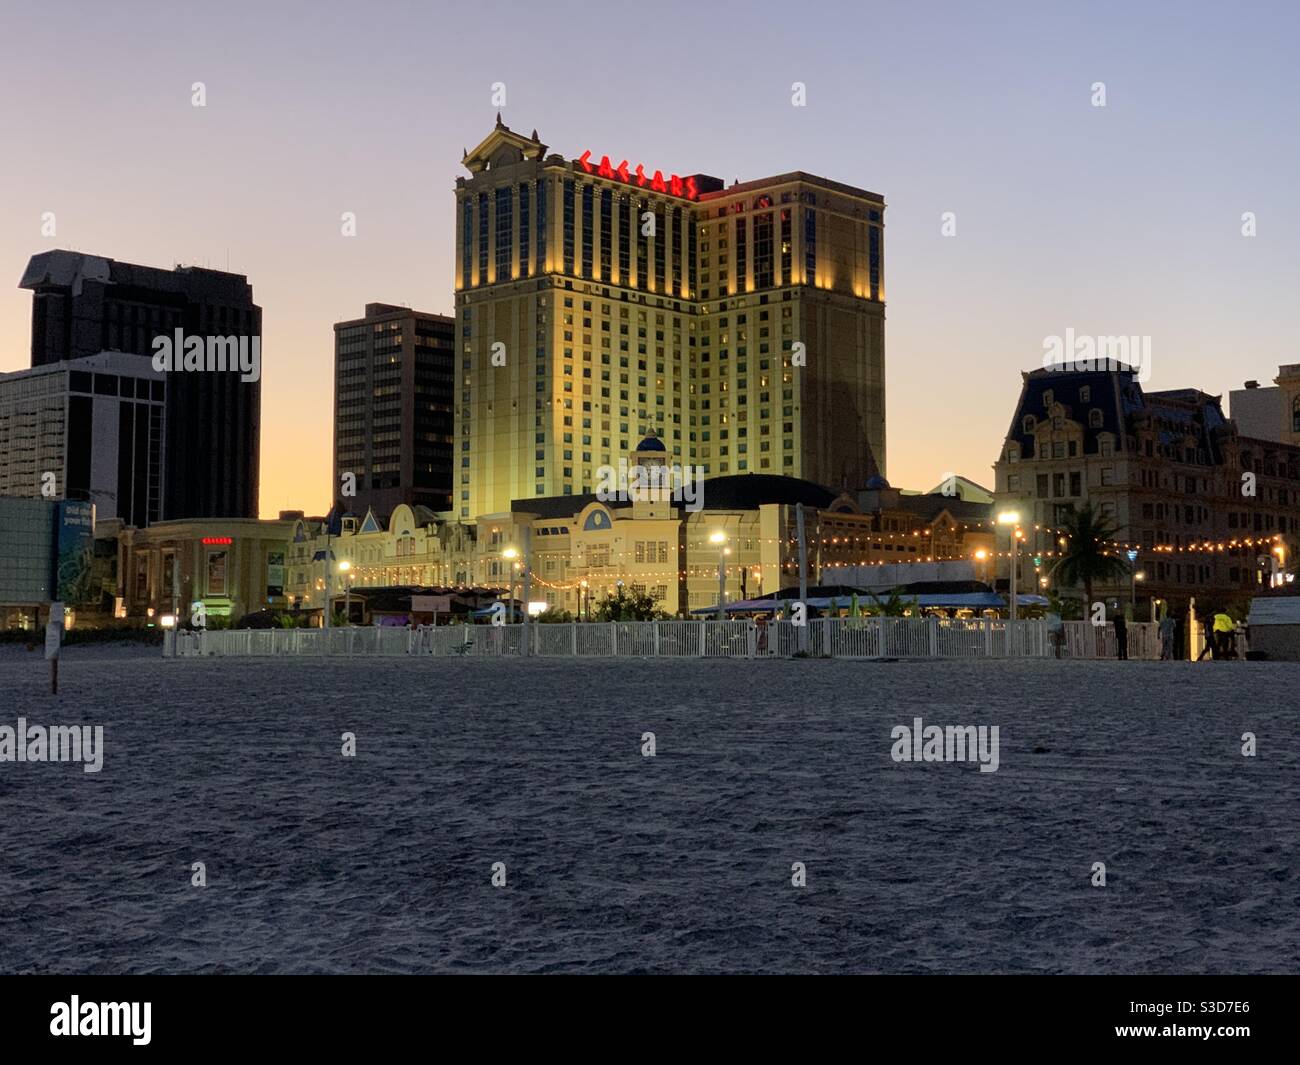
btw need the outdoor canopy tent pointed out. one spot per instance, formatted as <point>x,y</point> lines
<point>950,601</point>
<point>929,595</point>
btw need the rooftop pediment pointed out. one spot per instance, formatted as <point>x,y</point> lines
<point>503,147</point>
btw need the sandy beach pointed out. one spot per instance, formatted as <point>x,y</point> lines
<point>681,862</point>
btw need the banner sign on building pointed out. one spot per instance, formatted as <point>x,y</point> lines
<point>274,574</point>
<point>74,550</point>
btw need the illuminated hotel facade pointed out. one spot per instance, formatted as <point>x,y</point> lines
<point>599,302</point>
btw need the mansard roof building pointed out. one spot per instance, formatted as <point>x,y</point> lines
<point>1207,509</point>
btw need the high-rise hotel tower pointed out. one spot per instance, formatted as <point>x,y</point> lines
<point>601,300</point>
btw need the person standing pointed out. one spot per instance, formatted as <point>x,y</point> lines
<point>1056,631</point>
<point>1207,629</point>
<point>1166,638</point>
<point>1121,635</point>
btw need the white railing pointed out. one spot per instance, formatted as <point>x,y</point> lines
<point>821,638</point>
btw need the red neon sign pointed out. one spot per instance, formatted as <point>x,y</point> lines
<point>215,541</point>
<point>673,185</point>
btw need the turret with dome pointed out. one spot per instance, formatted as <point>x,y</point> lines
<point>654,497</point>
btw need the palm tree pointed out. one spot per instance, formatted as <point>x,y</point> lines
<point>1084,558</point>
<point>895,606</point>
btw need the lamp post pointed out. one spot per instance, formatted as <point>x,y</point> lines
<point>720,538</point>
<point>1133,588</point>
<point>1012,518</point>
<point>329,583</point>
<point>584,594</point>
<point>982,557</point>
<point>1279,563</point>
<point>526,581</point>
<point>344,568</point>
<point>510,554</point>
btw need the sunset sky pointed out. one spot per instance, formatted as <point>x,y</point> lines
<point>1123,219</point>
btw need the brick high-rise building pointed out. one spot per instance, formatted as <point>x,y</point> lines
<point>393,408</point>
<point>599,301</point>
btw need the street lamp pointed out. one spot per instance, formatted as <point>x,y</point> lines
<point>982,556</point>
<point>1012,518</point>
<point>720,538</point>
<point>344,568</point>
<point>1132,564</point>
<point>1279,564</point>
<point>510,554</point>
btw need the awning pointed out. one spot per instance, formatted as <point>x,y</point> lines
<point>949,601</point>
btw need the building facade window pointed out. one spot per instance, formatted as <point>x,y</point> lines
<point>690,255</point>
<point>764,273</point>
<point>525,230</point>
<point>467,244</point>
<point>606,234</point>
<point>624,243</point>
<point>787,246</point>
<point>570,192</point>
<point>873,260</point>
<point>741,249</point>
<point>642,247</point>
<point>810,245</point>
<point>677,250</point>
<point>541,227</point>
<point>588,227</point>
<point>505,232</point>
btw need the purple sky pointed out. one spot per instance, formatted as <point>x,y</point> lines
<point>1117,220</point>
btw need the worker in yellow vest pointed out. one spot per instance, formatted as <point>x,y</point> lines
<point>1223,635</point>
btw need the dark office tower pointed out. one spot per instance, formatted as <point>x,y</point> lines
<point>393,408</point>
<point>86,429</point>
<point>83,305</point>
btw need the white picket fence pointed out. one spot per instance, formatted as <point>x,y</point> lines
<point>821,638</point>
